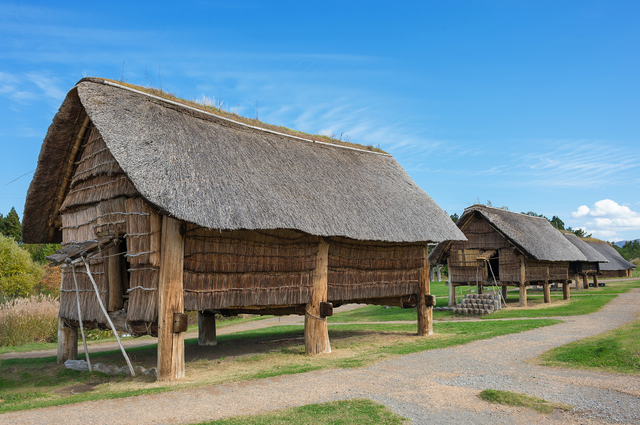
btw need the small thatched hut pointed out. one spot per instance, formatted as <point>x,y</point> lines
<point>504,249</point>
<point>173,208</point>
<point>617,265</point>
<point>585,269</point>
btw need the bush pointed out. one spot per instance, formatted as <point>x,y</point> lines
<point>18,272</point>
<point>26,320</point>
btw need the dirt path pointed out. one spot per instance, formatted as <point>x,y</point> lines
<point>437,386</point>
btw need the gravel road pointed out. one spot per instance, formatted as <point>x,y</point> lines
<point>434,387</point>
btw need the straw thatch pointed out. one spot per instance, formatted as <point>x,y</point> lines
<point>617,265</point>
<point>534,237</point>
<point>592,255</point>
<point>219,174</point>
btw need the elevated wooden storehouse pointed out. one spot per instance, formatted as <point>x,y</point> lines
<point>504,249</point>
<point>617,265</point>
<point>170,208</point>
<point>582,270</point>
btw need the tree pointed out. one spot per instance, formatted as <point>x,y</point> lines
<point>630,250</point>
<point>557,223</point>
<point>10,225</point>
<point>454,217</point>
<point>18,272</point>
<point>40,251</point>
<point>579,232</point>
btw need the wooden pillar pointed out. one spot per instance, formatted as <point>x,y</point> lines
<point>207,328</point>
<point>595,280</point>
<point>67,342</point>
<point>523,286</point>
<point>452,289</point>
<point>585,281</point>
<point>431,272</point>
<point>316,334</point>
<point>547,292</point>
<point>425,314</point>
<point>479,289</point>
<point>566,294</point>
<point>504,294</point>
<point>576,279</point>
<point>115,275</point>
<point>170,301</point>
<point>438,274</point>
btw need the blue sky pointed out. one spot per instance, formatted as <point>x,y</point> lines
<point>533,105</point>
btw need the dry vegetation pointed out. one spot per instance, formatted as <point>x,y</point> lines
<point>25,320</point>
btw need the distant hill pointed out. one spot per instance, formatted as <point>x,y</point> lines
<point>621,243</point>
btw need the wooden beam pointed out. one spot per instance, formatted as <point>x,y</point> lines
<point>115,277</point>
<point>207,328</point>
<point>595,280</point>
<point>170,301</point>
<point>523,286</point>
<point>425,314</point>
<point>316,334</point>
<point>504,294</point>
<point>585,281</point>
<point>576,279</point>
<point>67,342</point>
<point>452,289</point>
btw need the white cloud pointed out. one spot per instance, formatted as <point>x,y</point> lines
<point>606,218</point>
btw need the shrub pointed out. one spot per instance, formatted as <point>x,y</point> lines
<point>18,272</point>
<point>26,320</point>
<point>50,283</point>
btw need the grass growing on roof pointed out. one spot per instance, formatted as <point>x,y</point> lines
<point>616,351</point>
<point>355,411</point>
<point>276,351</point>
<point>510,398</point>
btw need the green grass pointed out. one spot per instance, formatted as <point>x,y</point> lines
<point>276,351</point>
<point>616,351</point>
<point>516,399</point>
<point>577,305</point>
<point>356,411</point>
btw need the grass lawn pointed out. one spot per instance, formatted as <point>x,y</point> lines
<point>577,305</point>
<point>510,398</point>
<point>616,351</point>
<point>357,411</point>
<point>275,351</point>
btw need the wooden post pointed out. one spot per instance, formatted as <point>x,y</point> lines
<point>547,292</point>
<point>425,314</point>
<point>316,333</point>
<point>67,342</point>
<point>114,275</point>
<point>438,275</point>
<point>523,287</point>
<point>207,328</point>
<point>170,301</point>
<point>566,294</point>
<point>595,280</point>
<point>452,289</point>
<point>576,279</point>
<point>504,294</point>
<point>585,281</point>
<point>431,272</point>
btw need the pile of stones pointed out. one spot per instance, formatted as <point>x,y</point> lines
<point>478,304</point>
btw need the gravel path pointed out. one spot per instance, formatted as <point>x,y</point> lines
<point>436,386</point>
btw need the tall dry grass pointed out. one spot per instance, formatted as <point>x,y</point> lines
<point>26,320</point>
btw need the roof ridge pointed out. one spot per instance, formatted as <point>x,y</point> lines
<point>181,105</point>
<point>503,210</point>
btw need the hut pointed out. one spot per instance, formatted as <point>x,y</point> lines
<point>582,270</point>
<point>162,207</point>
<point>504,249</point>
<point>617,265</point>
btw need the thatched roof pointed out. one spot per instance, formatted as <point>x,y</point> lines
<point>535,237</point>
<point>592,255</point>
<point>221,174</point>
<point>616,261</point>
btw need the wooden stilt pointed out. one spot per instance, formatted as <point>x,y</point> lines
<point>438,274</point>
<point>585,281</point>
<point>547,292</point>
<point>452,289</point>
<point>431,272</point>
<point>566,294</point>
<point>316,334</point>
<point>595,280</point>
<point>67,342</point>
<point>504,294</point>
<point>425,314</point>
<point>170,301</point>
<point>207,328</point>
<point>523,287</point>
<point>576,279</point>
<point>479,289</point>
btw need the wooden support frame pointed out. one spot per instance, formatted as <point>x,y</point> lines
<point>585,281</point>
<point>523,286</point>
<point>547,292</point>
<point>170,301</point>
<point>115,276</point>
<point>316,333</point>
<point>595,280</point>
<point>425,313</point>
<point>452,289</point>
<point>504,294</point>
<point>207,328</point>
<point>566,291</point>
<point>67,342</point>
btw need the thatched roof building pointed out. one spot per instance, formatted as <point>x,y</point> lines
<point>221,216</point>
<point>505,248</point>
<point>585,269</point>
<point>616,266</point>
